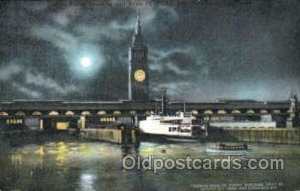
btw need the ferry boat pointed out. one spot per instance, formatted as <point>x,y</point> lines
<point>183,126</point>
<point>228,149</point>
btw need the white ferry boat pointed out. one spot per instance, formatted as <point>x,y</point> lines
<point>182,126</point>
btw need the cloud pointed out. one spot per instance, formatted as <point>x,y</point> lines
<point>114,27</point>
<point>66,16</point>
<point>61,39</point>
<point>48,83</point>
<point>176,64</point>
<point>32,84</point>
<point>178,71</point>
<point>35,5</point>
<point>26,91</point>
<point>101,32</point>
<point>209,51</point>
<point>8,71</point>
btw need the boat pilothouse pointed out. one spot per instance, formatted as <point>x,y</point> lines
<point>182,125</point>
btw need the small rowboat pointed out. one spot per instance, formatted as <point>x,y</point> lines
<point>182,140</point>
<point>223,149</point>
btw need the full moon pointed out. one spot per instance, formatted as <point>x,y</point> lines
<point>85,62</point>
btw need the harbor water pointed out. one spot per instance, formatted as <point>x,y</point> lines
<point>63,164</point>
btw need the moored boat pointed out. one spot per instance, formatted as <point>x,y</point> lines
<point>228,149</point>
<point>183,126</point>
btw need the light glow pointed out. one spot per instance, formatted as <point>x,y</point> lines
<point>85,62</point>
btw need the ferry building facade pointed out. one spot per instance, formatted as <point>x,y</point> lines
<point>284,113</point>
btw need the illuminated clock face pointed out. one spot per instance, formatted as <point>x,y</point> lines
<point>139,75</point>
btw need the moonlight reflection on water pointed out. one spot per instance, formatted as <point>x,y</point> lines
<point>66,165</point>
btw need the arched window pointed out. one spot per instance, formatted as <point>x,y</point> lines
<point>36,113</point>
<point>20,113</point>
<point>117,112</point>
<point>236,111</point>
<point>85,113</point>
<point>276,111</point>
<point>101,112</point>
<point>250,111</point>
<point>263,111</point>
<point>53,113</point>
<point>3,113</point>
<point>208,112</point>
<point>69,113</point>
<point>222,111</point>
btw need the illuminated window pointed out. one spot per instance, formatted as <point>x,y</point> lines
<point>101,112</point>
<point>236,111</point>
<point>222,112</point>
<point>208,112</point>
<point>172,129</point>
<point>250,111</point>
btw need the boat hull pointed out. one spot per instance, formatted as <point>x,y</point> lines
<point>170,138</point>
<point>214,151</point>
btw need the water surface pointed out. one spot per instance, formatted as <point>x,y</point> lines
<point>87,166</point>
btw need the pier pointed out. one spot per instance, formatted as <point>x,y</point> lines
<point>259,135</point>
<point>118,136</point>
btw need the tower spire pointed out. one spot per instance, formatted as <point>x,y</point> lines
<point>138,70</point>
<point>138,28</point>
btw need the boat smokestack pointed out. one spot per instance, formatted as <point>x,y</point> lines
<point>164,103</point>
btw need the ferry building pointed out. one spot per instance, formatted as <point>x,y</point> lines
<point>231,113</point>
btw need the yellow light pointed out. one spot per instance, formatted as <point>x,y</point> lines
<point>40,151</point>
<point>84,148</point>
<point>62,125</point>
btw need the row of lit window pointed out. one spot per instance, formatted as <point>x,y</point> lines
<point>107,119</point>
<point>172,122</point>
<point>14,121</point>
<point>139,55</point>
<point>125,119</point>
<point>174,129</point>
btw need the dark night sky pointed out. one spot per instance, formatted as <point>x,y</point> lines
<point>202,52</point>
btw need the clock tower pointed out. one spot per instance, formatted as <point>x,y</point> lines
<point>138,82</point>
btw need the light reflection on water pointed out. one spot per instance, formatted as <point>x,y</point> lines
<point>64,165</point>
